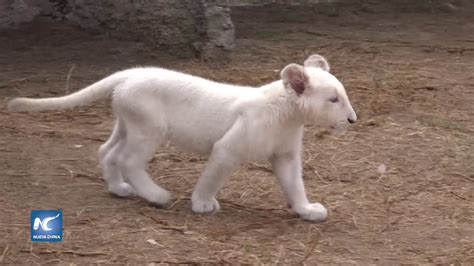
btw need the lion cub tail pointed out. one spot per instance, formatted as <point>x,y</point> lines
<point>99,90</point>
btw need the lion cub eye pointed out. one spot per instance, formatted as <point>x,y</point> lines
<point>334,99</point>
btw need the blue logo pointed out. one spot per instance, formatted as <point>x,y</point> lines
<point>46,225</point>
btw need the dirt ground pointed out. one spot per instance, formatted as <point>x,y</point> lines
<point>409,76</point>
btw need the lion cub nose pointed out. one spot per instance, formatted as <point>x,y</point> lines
<point>351,120</point>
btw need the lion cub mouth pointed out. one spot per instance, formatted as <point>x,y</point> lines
<point>339,127</point>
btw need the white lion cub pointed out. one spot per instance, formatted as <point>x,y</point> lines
<point>231,124</point>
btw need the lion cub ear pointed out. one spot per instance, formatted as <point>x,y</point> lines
<point>318,62</point>
<point>295,76</point>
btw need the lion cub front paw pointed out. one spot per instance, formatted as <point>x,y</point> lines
<point>201,206</point>
<point>313,212</point>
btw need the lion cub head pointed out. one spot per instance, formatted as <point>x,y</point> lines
<point>318,94</point>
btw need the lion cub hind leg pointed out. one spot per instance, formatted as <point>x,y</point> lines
<point>145,130</point>
<point>108,154</point>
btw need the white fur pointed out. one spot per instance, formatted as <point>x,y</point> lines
<point>231,124</point>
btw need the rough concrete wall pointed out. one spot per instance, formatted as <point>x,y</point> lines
<point>162,23</point>
<point>217,30</point>
<point>280,2</point>
<point>397,5</point>
<point>184,27</point>
<point>15,12</point>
